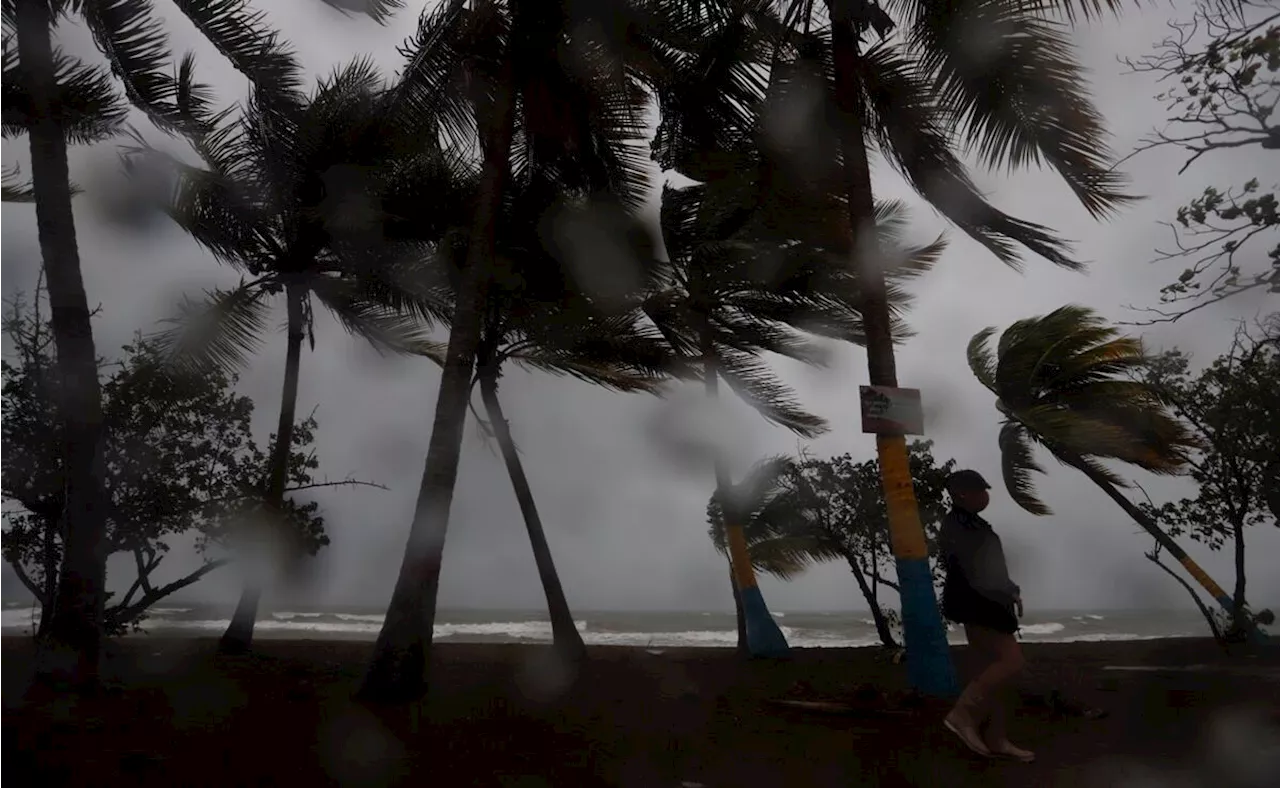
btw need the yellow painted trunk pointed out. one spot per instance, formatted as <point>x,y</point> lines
<point>1202,577</point>
<point>906,532</point>
<point>743,573</point>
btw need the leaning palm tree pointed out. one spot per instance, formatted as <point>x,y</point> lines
<point>997,77</point>
<point>1061,383</point>
<point>489,74</point>
<point>290,196</point>
<point>58,99</point>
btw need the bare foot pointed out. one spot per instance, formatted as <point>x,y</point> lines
<point>962,726</point>
<point>1007,749</point>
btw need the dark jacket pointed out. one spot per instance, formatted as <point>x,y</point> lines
<point>974,559</point>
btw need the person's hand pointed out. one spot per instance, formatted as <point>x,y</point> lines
<point>1017,605</point>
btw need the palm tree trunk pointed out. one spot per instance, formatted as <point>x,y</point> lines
<point>929,664</point>
<point>239,635</point>
<point>877,615</point>
<point>739,614</point>
<point>763,635</point>
<point>568,641</point>
<point>1154,558</point>
<point>71,646</point>
<point>398,669</point>
<point>1149,525</point>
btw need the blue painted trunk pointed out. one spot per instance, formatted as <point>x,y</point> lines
<point>929,665</point>
<point>764,636</point>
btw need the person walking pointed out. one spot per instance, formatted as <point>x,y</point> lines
<point>979,595</point>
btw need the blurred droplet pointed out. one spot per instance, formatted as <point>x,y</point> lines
<point>546,675</point>
<point>358,750</point>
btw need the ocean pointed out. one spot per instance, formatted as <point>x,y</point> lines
<point>623,628</point>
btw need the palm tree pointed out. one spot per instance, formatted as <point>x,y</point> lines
<point>730,294</point>
<point>810,511</point>
<point>536,317</point>
<point>291,196</point>
<point>542,81</point>
<point>57,99</point>
<point>1061,384</point>
<point>915,99</point>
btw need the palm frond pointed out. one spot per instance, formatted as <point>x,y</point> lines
<point>218,332</point>
<point>1017,464</point>
<point>910,131</point>
<point>134,41</point>
<point>384,328</point>
<point>615,377</point>
<point>378,10</point>
<point>245,39</point>
<point>433,85</point>
<point>1020,95</point>
<point>219,212</point>
<point>16,189</point>
<point>981,362</point>
<point>87,105</point>
<point>763,482</point>
<point>757,385</point>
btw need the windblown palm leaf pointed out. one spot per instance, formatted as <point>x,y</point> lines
<point>15,188</point>
<point>781,540</point>
<point>299,201</point>
<point>1062,383</point>
<point>999,78</point>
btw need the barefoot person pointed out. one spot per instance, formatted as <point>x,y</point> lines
<point>979,594</point>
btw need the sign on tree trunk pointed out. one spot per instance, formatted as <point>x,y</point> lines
<point>891,411</point>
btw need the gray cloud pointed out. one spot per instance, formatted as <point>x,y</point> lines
<point>625,521</point>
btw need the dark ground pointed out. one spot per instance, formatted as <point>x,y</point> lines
<point>176,715</point>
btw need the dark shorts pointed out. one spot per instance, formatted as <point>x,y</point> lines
<point>969,607</point>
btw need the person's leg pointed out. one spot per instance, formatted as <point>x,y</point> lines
<point>1005,661</point>
<point>965,718</point>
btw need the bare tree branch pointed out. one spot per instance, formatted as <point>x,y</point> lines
<point>1223,90</point>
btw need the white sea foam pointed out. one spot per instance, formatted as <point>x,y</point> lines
<point>287,615</point>
<point>1042,629</point>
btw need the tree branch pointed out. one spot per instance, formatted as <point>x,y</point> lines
<point>121,615</point>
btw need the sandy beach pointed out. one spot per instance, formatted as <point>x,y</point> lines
<point>506,715</point>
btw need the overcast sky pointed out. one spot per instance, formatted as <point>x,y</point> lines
<point>625,513</point>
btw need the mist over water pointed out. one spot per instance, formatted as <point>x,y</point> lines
<point>632,628</point>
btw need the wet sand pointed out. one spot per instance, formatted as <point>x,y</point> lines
<point>174,714</point>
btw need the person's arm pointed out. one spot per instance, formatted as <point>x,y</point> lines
<point>977,555</point>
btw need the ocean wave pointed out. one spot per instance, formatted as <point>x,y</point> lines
<point>288,615</point>
<point>1042,629</point>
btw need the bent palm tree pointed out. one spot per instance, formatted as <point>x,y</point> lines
<point>812,511</point>
<point>57,99</point>
<point>487,74</point>
<point>290,196</point>
<point>1060,383</point>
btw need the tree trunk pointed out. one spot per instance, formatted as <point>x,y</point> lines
<point>50,589</point>
<point>398,669</point>
<point>877,615</point>
<point>739,614</point>
<point>1147,524</point>
<point>929,665</point>
<point>568,641</point>
<point>763,636</point>
<point>1154,558</point>
<point>239,635</point>
<point>1239,615</point>
<point>72,642</point>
